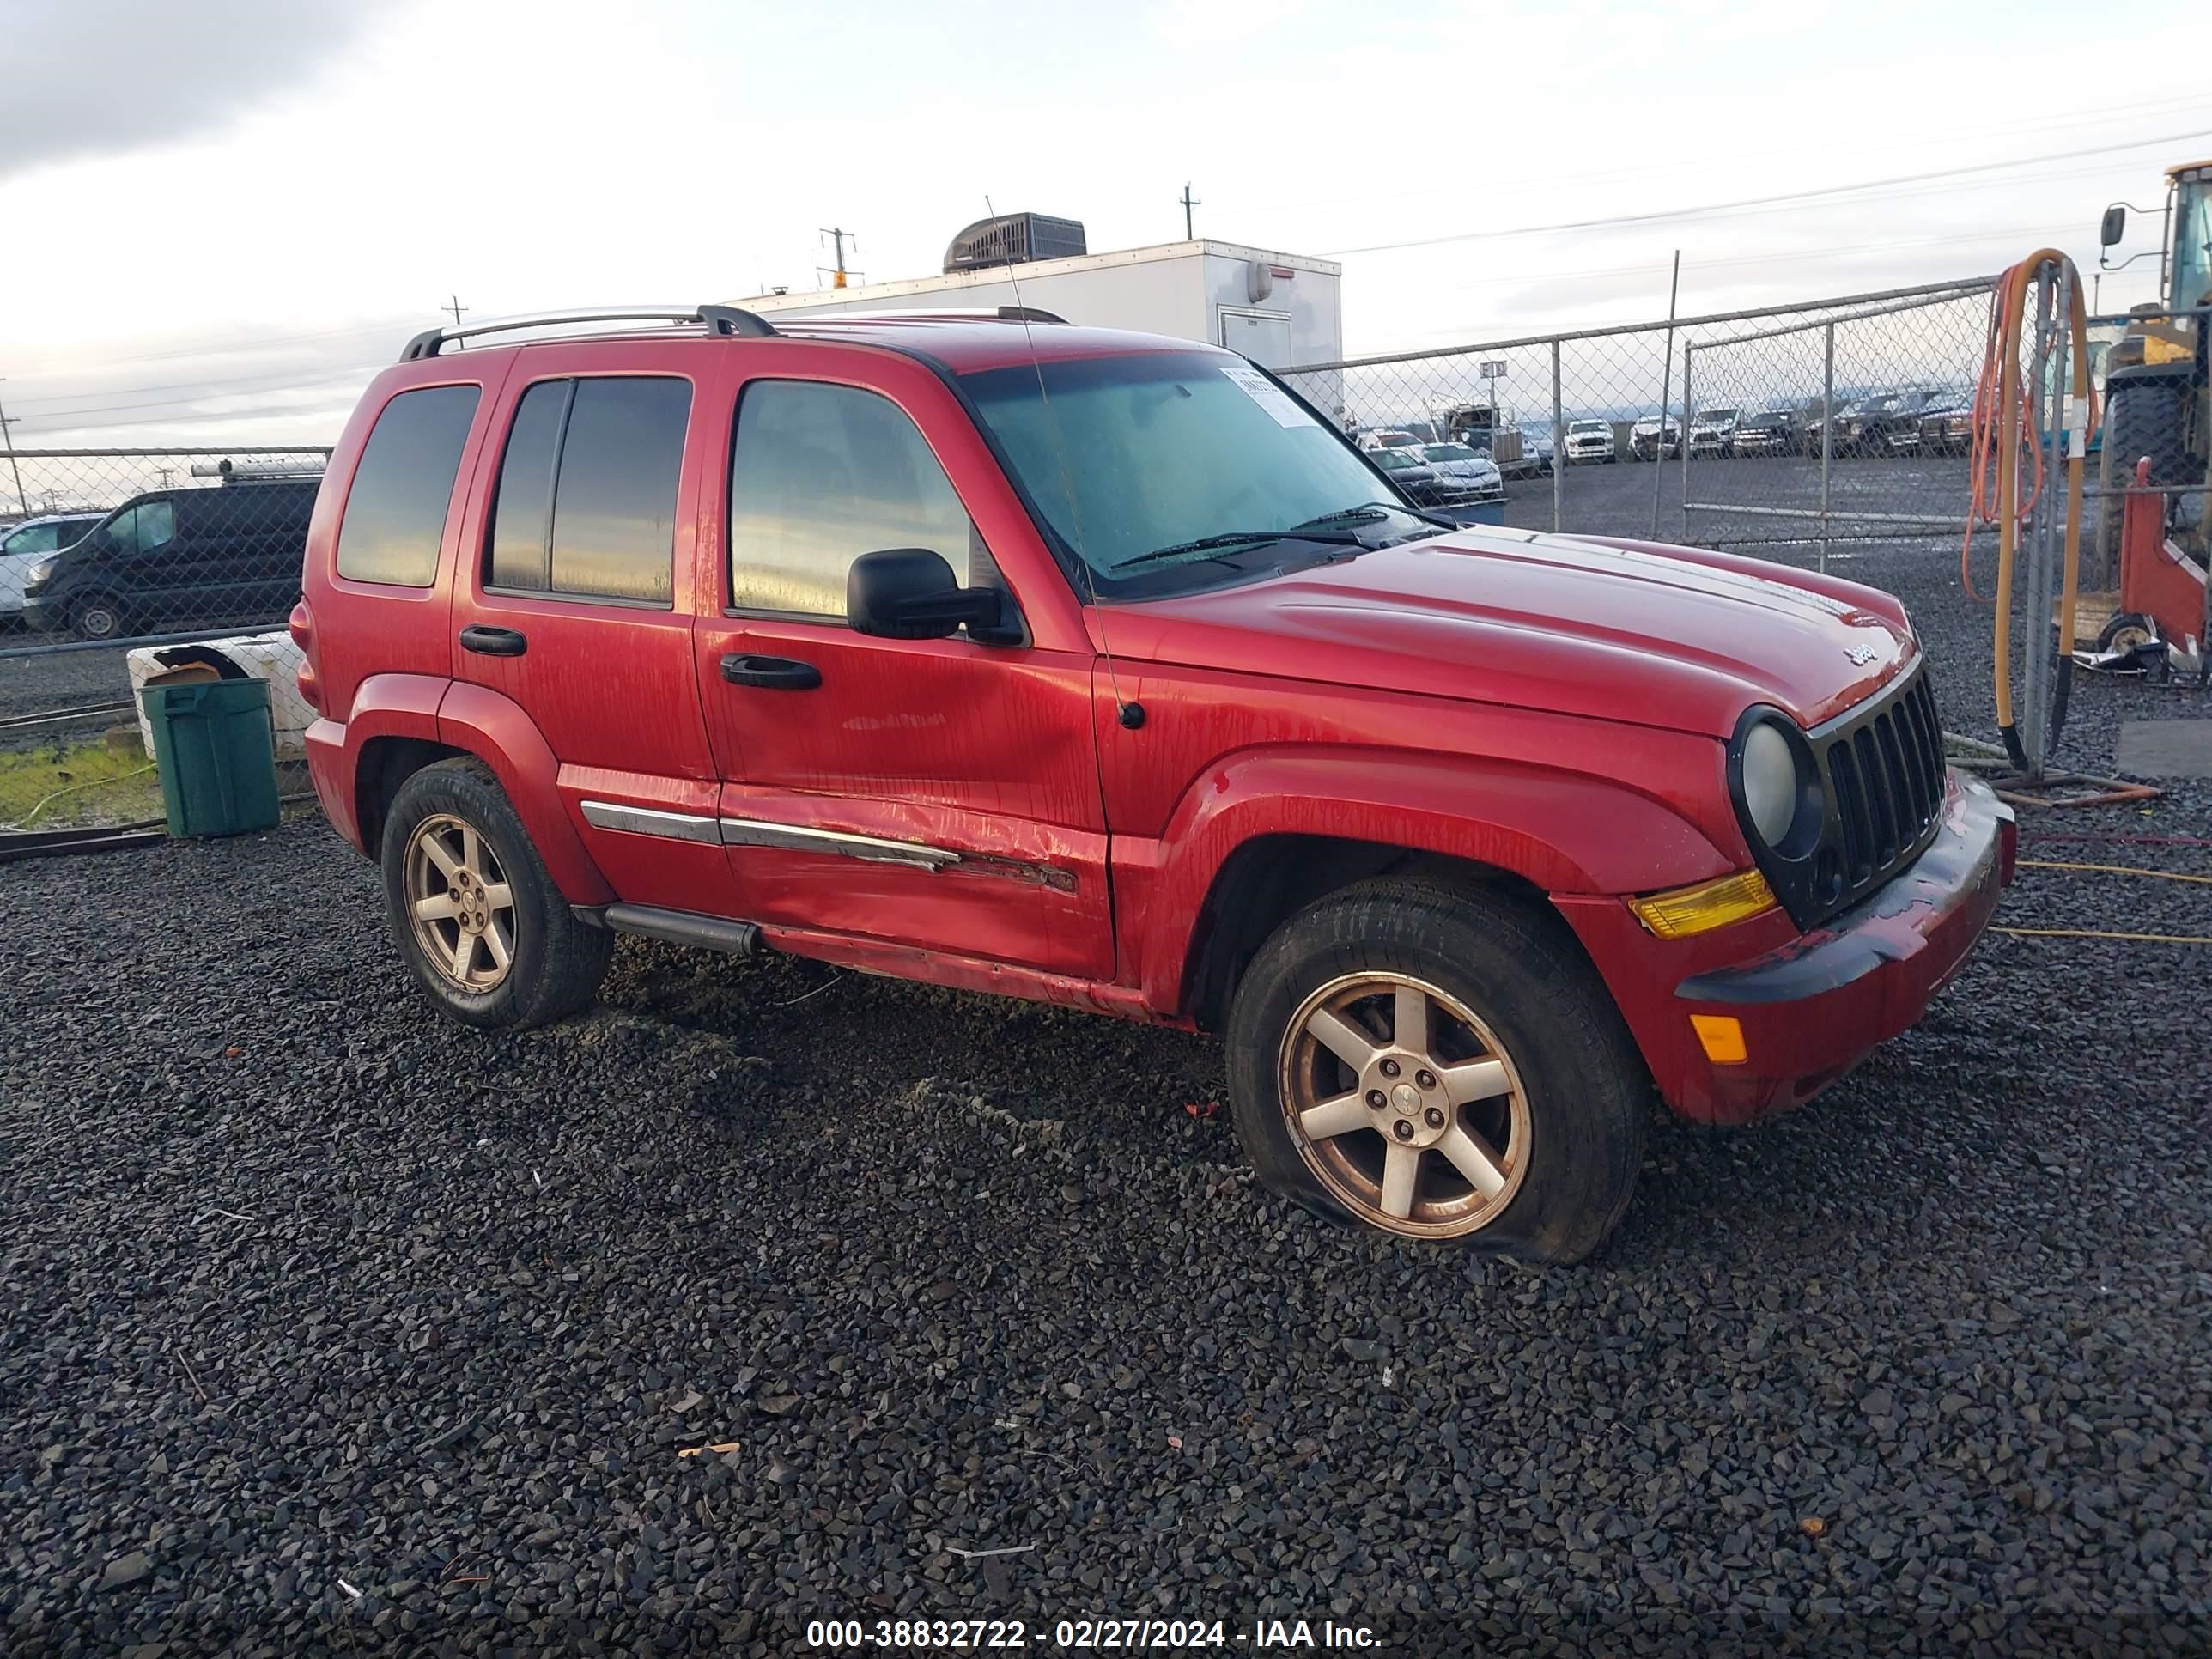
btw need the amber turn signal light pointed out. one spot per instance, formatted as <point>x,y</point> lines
<point>1710,904</point>
<point>1721,1035</point>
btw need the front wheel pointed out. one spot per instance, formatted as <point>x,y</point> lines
<point>474,911</point>
<point>97,617</point>
<point>1441,1065</point>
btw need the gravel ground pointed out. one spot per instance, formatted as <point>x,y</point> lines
<point>326,1325</point>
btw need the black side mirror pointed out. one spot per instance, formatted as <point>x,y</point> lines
<point>911,593</point>
<point>2114,227</point>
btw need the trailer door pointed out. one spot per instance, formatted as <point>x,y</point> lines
<point>1263,336</point>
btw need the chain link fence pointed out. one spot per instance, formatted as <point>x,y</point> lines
<point>1714,429</point>
<point>106,551</point>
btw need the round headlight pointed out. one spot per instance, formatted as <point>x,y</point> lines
<point>1769,782</point>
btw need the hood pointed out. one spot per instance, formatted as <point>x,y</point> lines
<point>1666,637</point>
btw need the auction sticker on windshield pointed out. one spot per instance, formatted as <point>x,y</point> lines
<point>1269,396</point>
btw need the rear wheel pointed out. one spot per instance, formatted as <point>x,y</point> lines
<point>475,913</point>
<point>1441,1065</point>
<point>99,617</point>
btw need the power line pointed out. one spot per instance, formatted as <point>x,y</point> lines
<point>1664,215</point>
<point>1554,184</point>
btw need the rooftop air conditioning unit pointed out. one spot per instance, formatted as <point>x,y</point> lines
<point>1014,239</point>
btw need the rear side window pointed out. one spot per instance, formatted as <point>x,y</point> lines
<point>822,474</point>
<point>395,514</point>
<point>586,502</point>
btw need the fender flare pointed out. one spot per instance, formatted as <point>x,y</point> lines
<point>1561,830</point>
<point>384,706</point>
<point>495,730</point>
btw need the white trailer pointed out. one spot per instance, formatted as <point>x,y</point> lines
<point>1280,310</point>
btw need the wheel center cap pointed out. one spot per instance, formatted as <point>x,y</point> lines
<point>1406,1098</point>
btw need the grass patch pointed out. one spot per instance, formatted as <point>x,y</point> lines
<point>66,786</point>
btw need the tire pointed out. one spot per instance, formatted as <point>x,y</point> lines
<point>99,617</point>
<point>554,961</point>
<point>1526,1051</point>
<point>2126,631</point>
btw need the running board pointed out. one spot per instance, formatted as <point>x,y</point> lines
<point>737,938</point>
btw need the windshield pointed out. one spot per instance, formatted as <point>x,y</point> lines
<point>1450,453</point>
<point>1395,460</point>
<point>1128,454</point>
<point>1586,425</point>
<point>1718,414</point>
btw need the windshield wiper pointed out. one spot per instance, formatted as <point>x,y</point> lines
<point>1369,511</point>
<point>1242,538</point>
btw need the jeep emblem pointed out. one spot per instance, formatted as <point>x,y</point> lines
<point>1861,655</point>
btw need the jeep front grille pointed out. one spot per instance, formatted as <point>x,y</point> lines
<point>1885,775</point>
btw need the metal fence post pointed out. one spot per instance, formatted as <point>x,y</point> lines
<point>1666,390</point>
<point>1689,347</point>
<point>1558,443</point>
<point>1828,432</point>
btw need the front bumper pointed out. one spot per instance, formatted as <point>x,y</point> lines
<point>1810,1005</point>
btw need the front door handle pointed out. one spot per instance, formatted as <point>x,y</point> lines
<point>770,673</point>
<point>493,642</point>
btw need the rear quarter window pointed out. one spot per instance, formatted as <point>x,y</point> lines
<point>395,514</point>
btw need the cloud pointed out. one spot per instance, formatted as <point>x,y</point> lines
<point>93,77</point>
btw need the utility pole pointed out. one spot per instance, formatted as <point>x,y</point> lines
<point>1188,203</point>
<point>453,304</point>
<point>837,236</point>
<point>165,471</point>
<point>7,437</point>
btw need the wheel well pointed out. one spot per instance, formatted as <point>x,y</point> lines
<point>385,765</point>
<point>1270,878</point>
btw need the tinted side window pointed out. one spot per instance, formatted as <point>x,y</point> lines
<point>395,514</point>
<point>522,512</point>
<point>820,475</point>
<point>614,507</point>
<point>586,501</point>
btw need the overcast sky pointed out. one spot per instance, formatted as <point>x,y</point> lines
<point>219,219</point>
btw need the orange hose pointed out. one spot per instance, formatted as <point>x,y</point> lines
<point>2000,431</point>
<point>2000,413</point>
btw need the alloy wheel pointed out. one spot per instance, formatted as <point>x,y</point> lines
<point>1405,1105</point>
<point>459,904</point>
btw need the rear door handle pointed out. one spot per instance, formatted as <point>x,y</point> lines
<point>493,642</point>
<point>770,673</point>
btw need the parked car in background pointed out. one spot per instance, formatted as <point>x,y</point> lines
<point>1387,437</point>
<point>1889,424</point>
<point>1459,466</point>
<point>792,644</point>
<point>1712,431</point>
<point>22,545</point>
<point>1536,454</point>
<point>1811,414</point>
<point>1947,422</point>
<point>1406,469</point>
<point>1655,438</point>
<point>227,552</point>
<point>1589,441</point>
<point>1768,432</point>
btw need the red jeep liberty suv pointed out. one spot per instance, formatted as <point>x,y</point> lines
<point>1099,668</point>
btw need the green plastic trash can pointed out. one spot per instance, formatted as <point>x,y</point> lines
<point>216,755</point>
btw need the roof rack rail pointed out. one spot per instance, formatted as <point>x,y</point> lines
<point>1029,314</point>
<point>720,320</point>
